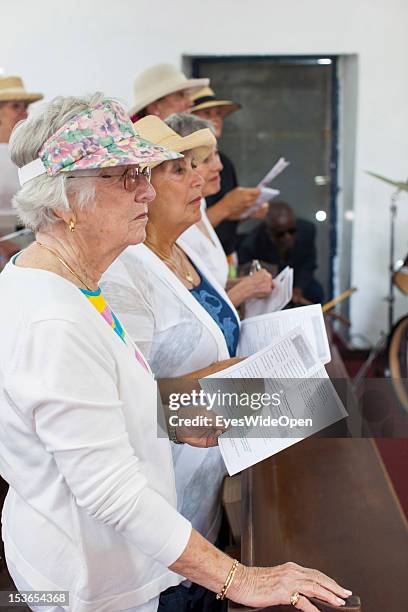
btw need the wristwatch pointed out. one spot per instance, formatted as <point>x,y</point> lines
<point>172,434</point>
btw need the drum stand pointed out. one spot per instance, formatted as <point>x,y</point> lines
<point>382,341</point>
<point>391,268</point>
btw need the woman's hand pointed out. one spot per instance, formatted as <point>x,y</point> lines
<point>272,586</point>
<point>256,586</point>
<point>261,212</point>
<point>203,434</point>
<point>238,200</point>
<point>257,285</point>
<point>261,284</point>
<point>206,432</point>
<point>232,205</point>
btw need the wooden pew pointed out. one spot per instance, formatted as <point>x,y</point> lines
<point>329,504</point>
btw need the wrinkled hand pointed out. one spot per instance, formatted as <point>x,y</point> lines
<point>260,284</point>
<point>238,200</point>
<point>202,436</point>
<point>272,586</point>
<point>261,212</point>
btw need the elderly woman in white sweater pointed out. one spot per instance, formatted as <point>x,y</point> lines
<point>185,324</point>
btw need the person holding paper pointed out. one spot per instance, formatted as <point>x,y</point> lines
<point>183,320</point>
<point>175,310</point>
<point>201,236</point>
<point>91,503</point>
<point>284,241</point>
<point>226,207</point>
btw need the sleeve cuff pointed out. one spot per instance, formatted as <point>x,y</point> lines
<point>167,532</point>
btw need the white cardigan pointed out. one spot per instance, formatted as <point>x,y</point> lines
<point>174,332</point>
<point>90,507</point>
<point>177,336</point>
<point>211,251</point>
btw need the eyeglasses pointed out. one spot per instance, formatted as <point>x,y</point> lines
<point>280,234</point>
<point>131,176</point>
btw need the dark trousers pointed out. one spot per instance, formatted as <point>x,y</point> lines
<point>314,292</point>
<point>194,599</point>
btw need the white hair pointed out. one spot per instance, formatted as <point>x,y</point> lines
<point>186,123</point>
<point>36,201</point>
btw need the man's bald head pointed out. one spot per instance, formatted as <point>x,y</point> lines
<point>281,225</point>
<point>280,213</point>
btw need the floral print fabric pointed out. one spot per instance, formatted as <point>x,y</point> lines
<point>219,310</point>
<point>99,137</point>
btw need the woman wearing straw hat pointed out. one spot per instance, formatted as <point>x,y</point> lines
<point>152,287</point>
<point>208,106</point>
<point>163,90</point>
<point>201,236</point>
<point>183,320</point>
<point>14,101</point>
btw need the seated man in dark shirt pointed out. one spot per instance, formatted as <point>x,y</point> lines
<point>284,241</point>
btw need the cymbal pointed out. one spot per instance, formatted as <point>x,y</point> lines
<point>401,185</point>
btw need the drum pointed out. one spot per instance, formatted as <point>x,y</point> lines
<point>398,360</point>
<point>400,278</point>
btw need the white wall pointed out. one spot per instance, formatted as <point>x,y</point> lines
<point>99,44</point>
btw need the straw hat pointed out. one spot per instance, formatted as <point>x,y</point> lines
<point>154,129</point>
<point>206,98</point>
<point>158,81</point>
<point>12,89</point>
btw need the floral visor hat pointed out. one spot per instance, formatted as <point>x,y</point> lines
<point>98,137</point>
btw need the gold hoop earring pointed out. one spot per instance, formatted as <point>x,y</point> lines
<point>71,225</point>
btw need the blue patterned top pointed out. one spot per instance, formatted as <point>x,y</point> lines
<point>219,310</point>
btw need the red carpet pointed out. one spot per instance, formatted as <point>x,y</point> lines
<point>394,452</point>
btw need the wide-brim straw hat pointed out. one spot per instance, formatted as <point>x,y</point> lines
<point>12,89</point>
<point>206,98</point>
<point>159,81</point>
<point>202,142</point>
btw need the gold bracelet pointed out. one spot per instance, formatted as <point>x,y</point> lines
<point>222,594</point>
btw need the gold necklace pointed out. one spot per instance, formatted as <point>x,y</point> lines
<point>64,263</point>
<point>186,275</point>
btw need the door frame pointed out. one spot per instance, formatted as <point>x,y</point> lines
<point>191,65</point>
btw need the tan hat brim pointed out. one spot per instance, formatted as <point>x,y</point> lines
<point>165,89</point>
<point>19,96</point>
<point>201,142</point>
<point>228,106</point>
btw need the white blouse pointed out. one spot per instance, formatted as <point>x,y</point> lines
<point>91,504</point>
<point>177,336</point>
<point>210,250</point>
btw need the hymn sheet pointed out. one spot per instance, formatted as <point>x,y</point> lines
<point>287,368</point>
